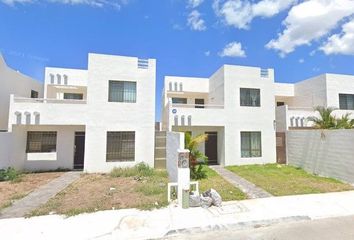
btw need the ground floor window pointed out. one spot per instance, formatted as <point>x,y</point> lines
<point>75,96</point>
<point>251,144</point>
<point>120,146</point>
<point>41,142</point>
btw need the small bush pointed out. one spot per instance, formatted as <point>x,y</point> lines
<point>140,170</point>
<point>198,172</point>
<point>9,174</point>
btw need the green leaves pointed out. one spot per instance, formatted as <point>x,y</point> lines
<point>328,121</point>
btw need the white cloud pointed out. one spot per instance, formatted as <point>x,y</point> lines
<point>301,60</point>
<point>233,49</point>
<point>195,22</point>
<point>194,3</point>
<point>207,53</point>
<point>342,43</point>
<point>240,13</point>
<point>93,3</point>
<point>309,21</point>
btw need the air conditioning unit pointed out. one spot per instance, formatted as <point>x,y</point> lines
<point>183,160</point>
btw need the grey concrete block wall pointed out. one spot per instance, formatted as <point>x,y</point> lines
<point>327,153</point>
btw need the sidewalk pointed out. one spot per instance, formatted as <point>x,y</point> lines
<point>136,224</point>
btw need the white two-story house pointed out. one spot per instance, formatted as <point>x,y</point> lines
<point>235,107</point>
<point>92,119</point>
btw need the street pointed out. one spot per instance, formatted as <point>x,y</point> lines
<point>341,228</point>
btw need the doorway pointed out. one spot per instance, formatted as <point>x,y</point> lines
<point>211,148</point>
<point>79,150</point>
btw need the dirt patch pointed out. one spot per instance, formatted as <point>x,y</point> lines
<point>96,192</point>
<point>10,191</point>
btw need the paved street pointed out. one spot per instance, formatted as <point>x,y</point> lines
<point>324,229</point>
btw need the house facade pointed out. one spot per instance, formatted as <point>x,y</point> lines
<point>235,107</point>
<point>93,119</point>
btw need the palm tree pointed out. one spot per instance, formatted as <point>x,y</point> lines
<point>326,120</point>
<point>196,157</point>
<point>345,122</point>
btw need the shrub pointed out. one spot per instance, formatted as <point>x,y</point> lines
<point>9,174</point>
<point>198,172</point>
<point>140,170</point>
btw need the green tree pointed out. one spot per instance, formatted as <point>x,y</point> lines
<point>196,158</point>
<point>326,120</point>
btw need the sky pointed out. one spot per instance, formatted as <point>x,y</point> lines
<point>298,38</point>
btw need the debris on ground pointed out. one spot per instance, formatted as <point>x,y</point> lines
<point>206,199</point>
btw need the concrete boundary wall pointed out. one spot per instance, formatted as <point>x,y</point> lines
<point>327,153</point>
<point>5,143</point>
<point>174,141</point>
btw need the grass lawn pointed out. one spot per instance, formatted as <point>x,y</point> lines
<point>26,183</point>
<point>281,180</point>
<point>227,191</point>
<point>124,189</point>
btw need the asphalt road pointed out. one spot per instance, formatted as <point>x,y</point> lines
<point>324,229</point>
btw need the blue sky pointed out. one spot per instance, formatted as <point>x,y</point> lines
<point>299,39</point>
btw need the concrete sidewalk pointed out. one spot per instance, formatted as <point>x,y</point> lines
<point>136,224</point>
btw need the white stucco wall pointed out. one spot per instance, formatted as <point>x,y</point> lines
<point>103,116</point>
<point>174,142</point>
<point>13,82</point>
<point>325,152</point>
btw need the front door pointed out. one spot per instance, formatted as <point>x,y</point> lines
<point>211,147</point>
<point>79,150</point>
<point>281,147</point>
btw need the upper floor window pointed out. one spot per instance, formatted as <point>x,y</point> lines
<point>41,142</point>
<point>250,97</point>
<point>251,144</point>
<point>179,100</point>
<point>346,101</point>
<point>122,91</point>
<point>34,94</point>
<point>76,96</point>
<point>120,146</point>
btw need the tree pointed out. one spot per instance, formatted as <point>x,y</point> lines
<point>326,120</point>
<point>196,158</point>
<point>345,122</point>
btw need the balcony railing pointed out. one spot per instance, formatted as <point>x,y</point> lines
<point>48,100</point>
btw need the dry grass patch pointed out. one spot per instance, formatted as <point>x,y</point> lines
<point>281,180</point>
<point>13,190</point>
<point>96,192</point>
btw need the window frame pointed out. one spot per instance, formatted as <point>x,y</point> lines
<point>185,100</point>
<point>123,91</point>
<point>40,140</point>
<point>73,94</point>
<point>118,156</point>
<point>245,103</point>
<point>347,97</point>
<point>34,94</point>
<point>250,149</point>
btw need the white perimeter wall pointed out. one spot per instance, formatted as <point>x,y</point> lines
<point>174,142</point>
<point>328,153</point>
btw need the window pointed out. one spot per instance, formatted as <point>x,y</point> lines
<point>51,78</point>
<point>121,91</point>
<point>41,142</point>
<point>58,79</point>
<point>251,144</point>
<point>120,146</point>
<point>179,100</point>
<point>76,96</point>
<point>346,101</point>
<point>65,79</point>
<point>34,94</point>
<point>280,104</point>
<point>199,103</point>
<point>250,97</point>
